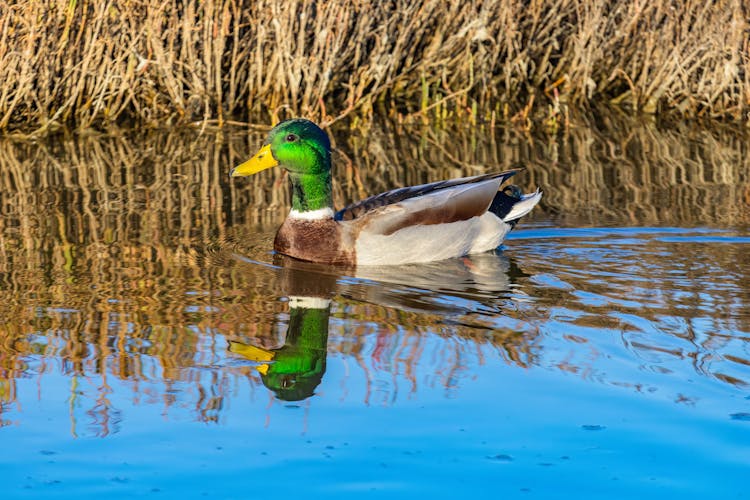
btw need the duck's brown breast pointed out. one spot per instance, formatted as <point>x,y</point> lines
<point>322,241</point>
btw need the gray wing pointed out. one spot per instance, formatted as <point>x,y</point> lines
<point>361,208</point>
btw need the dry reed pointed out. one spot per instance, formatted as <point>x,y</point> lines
<point>92,63</point>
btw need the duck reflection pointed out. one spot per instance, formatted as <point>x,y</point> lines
<point>481,278</point>
<point>295,370</point>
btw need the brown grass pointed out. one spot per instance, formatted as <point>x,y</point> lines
<point>93,63</point>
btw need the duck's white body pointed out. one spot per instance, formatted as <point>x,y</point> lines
<point>424,243</point>
<point>436,242</point>
<point>420,224</point>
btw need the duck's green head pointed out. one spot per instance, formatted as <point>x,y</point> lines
<point>298,145</point>
<point>304,150</point>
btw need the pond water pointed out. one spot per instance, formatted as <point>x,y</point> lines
<point>152,344</point>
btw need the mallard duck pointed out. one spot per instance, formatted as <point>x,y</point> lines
<point>436,221</point>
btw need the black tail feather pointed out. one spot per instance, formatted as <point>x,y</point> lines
<point>504,200</point>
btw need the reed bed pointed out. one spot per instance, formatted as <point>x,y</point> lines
<point>86,63</point>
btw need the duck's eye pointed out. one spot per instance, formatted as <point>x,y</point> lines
<point>291,138</point>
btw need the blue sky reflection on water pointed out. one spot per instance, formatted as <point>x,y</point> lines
<point>566,402</point>
<point>554,434</point>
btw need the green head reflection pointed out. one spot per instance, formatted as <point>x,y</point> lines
<point>293,371</point>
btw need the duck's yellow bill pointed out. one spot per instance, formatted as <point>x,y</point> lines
<point>257,354</point>
<point>262,160</point>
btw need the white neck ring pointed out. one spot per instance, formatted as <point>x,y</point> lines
<point>321,213</point>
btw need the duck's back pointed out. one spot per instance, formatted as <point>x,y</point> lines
<point>430,222</point>
<point>443,188</point>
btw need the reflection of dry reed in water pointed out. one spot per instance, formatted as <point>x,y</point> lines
<point>622,171</point>
<point>105,268</point>
<point>99,255</point>
<point>91,63</point>
<point>105,242</point>
<point>641,174</point>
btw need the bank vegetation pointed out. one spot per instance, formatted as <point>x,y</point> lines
<point>96,63</point>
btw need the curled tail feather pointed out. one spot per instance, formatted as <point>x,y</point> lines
<point>510,204</point>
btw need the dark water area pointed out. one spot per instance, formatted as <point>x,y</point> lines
<point>151,343</point>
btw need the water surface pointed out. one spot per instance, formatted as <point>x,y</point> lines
<point>152,344</point>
